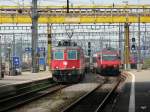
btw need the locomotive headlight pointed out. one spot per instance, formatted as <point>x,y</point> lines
<point>73,67</point>
<point>115,66</point>
<point>65,63</point>
<point>104,66</point>
<point>69,74</point>
<point>57,67</point>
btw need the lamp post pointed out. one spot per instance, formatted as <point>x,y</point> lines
<point>9,59</point>
<point>0,61</point>
<point>121,48</point>
<point>127,46</point>
<point>139,45</point>
<point>67,6</point>
<point>35,66</point>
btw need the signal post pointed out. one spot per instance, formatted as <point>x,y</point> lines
<point>49,47</point>
<point>34,27</point>
<point>127,48</point>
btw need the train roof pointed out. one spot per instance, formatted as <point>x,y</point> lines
<point>66,47</point>
<point>107,50</point>
<point>66,44</point>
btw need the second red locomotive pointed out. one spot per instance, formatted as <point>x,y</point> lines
<point>107,62</point>
<point>68,62</point>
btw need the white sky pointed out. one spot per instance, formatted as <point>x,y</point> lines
<point>74,2</point>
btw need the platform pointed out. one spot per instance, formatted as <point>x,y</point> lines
<point>11,85</point>
<point>25,77</point>
<point>135,95</point>
<point>142,75</point>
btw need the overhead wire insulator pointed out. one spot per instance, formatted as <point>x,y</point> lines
<point>20,11</point>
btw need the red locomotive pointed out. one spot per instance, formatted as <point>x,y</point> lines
<point>107,62</point>
<point>68,62</point>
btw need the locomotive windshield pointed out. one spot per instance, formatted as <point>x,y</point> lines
<point>109,57</point>
<point>58,55</point>
<point>72,54</point>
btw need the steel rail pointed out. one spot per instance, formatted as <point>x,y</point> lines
<point>25,87</point>
<point>29,97</point>
<point>103,103</point>
<point>28,92</point>
<point>81,98</point>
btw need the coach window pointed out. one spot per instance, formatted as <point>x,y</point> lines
<point>72,54</point>
<point>58,55</point>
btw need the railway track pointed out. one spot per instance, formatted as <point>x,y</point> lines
<point>25,87</point>
<point>93,101</point>
<point>27,95</point>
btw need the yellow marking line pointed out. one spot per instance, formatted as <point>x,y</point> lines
<point>132,94</point>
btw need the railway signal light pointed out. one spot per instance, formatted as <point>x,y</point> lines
<point>89,45</point>
<point>133,39</point>
<point>89,48</point>
<point>133,47</point>
<point>89,52</point>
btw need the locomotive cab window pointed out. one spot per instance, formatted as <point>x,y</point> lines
<point>58,55</point>
<point>109,57</point>
<point>72,54</point>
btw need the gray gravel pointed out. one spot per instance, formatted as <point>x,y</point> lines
<point>59,100</point>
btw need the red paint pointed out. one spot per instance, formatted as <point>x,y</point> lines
<point>71,64</point>
<point>104,64</point>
